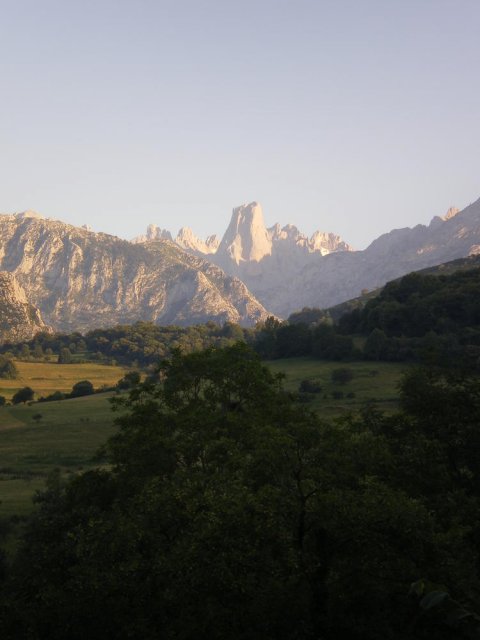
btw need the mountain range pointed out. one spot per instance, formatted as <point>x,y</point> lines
<point>286,270</point>
<point>76,279</point>
<point>79,279</point>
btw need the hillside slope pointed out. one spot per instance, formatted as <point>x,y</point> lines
<point>80,279</point>
<point>19,320</point>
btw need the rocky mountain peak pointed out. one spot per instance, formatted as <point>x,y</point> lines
<point>451,213</point>
<point>327,243</point>
<point>246,238</point>
<point>153,233</point>
<point>190,242</point>
<point>29,214</point>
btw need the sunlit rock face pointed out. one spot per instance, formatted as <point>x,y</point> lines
<point>190,242</point>
<point>246,238</point>
<point>80,280</point>
<point>19,320</point>
<point>271,261</point>
<point>153,233</point>
<point>286,270</point>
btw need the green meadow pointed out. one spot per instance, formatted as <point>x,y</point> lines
<point>66,437</point>
<point>69,433</point>
<point>371,382</point>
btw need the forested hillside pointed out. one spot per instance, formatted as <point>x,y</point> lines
<point>420,317</point>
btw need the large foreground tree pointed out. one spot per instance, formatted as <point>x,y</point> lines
<point>228,512</point>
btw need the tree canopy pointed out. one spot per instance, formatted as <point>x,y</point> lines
<point>225,511</point>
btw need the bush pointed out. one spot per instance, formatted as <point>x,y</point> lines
<point>82,388</point>
<point>65,356</point>
<point>23,395</point>
<point>8,370</point>
<point>310,386</point>
<point>3,401</point>
<point>129,380</point>
<point>53,397</point>
<point>305,397</point>
<point>341,376</point>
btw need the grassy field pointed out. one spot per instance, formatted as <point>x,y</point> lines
<point>46,377</point>
<point>377,381</point>
<point>69,432</point>
<point>66,438</point>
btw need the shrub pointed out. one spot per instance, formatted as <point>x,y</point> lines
<point>310,386</point>
<point>305,397</point>
<point>23,395</point>
<point>341,376</point>
<point>53,397</point>
<point>65,356</point>
<point>8,369</point>
<point>82,388</point>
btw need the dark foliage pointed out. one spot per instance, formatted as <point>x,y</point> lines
<point>82,388</point>
<point>8,370</point>
<point>228,512</point>
<point>25,394</point>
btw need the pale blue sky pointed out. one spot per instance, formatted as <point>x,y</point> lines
<point>346,116</point>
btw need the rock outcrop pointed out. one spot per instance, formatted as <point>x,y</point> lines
<point>334,278</point>
<point>287,270</point>
<point>190,242</point>
<point>80,280</point>
<point>19,320</point>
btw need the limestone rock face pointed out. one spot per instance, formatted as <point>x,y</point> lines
<point>19,320</point>
<point>153,233</point>
<point>190,242</point>
<point>246,238</point>
<point>286,270</point>
<point>271,261</point>
<point>80,280</point>
<point>340,276</point>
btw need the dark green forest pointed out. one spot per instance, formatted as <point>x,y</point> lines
<point>431,319</point>
<point>223,510</point>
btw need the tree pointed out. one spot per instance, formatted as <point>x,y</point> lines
<point>129,380</point>
<point>225,511</point>
<point>23,395</point>
<point>82,388</point>
<point>65,356</point>
<point>37,350</point>
<point>8,369</point>
<point>24,351</point>
<point>375,345</point>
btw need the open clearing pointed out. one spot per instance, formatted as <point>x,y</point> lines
<point>372,381</point>
<point>69,433</point>
<point>66,438</point>
<point>46,377</point>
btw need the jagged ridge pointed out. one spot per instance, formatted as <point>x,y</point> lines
<point>80,279</point>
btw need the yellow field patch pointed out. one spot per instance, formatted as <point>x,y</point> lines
<point>46,377</point>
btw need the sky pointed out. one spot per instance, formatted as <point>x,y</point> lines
<point>339,115</point>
